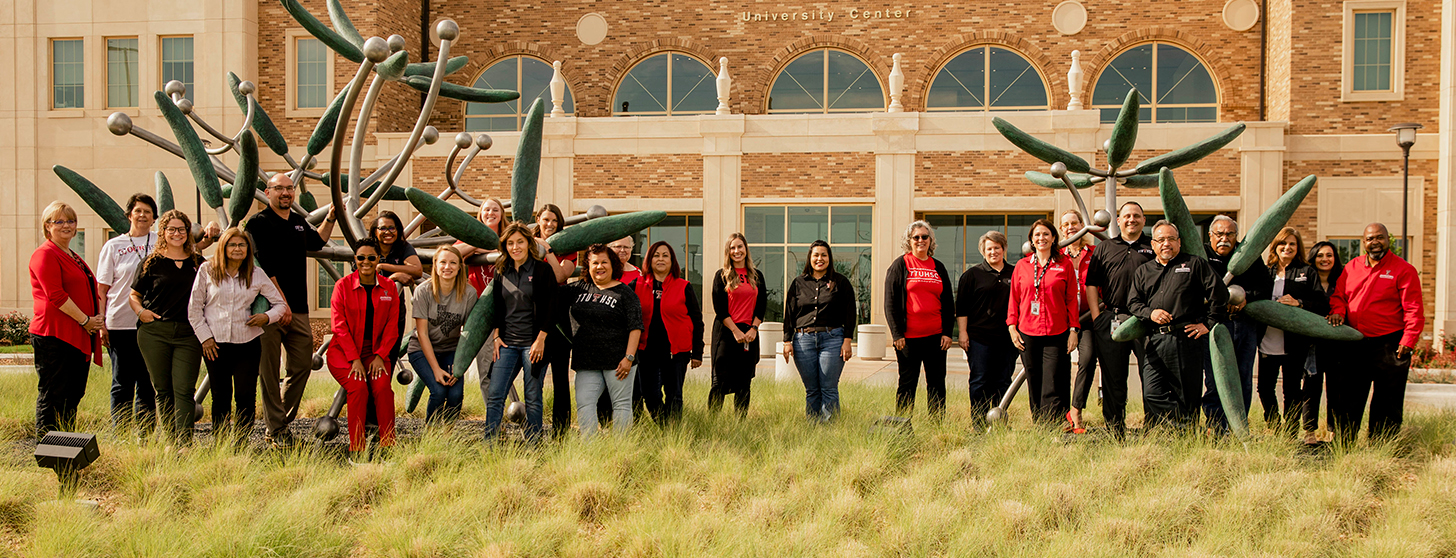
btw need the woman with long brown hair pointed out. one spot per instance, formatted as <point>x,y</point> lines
<point>166,338</point>
<point>740,301</point>
<point>524,291</point>
<point>673,337</point>
<point>550,220</point>
<point>220,312</point>
<point>1284,353</point>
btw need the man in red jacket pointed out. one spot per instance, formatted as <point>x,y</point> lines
<point>1378,294</point>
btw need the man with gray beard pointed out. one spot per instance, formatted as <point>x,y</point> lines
<point>1223,235</point>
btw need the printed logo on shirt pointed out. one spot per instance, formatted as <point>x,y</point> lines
<point>610,302</point>
<point>923,275</point>
<point>385,298</point>
<point>300,228</point>
<point>1183,268</point>
<point>1387,275</point>
<point>1058,268</point>
<point>1300,279</point>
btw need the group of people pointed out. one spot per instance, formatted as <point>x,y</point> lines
<point>161,306</point>
<point>1058,301</point>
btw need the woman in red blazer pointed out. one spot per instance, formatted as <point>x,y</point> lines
<point>363,312</point>
<point>1042,318</point>
<point>68,316</point>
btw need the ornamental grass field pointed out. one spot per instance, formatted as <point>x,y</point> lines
<point>771,485</point>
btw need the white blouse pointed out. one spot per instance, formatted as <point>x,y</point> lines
<point>220,310</point>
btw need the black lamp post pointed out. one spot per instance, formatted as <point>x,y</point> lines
<point>1405,137</point>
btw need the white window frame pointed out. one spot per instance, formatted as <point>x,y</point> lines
<point>1348,93</point>
<point>291,109</point>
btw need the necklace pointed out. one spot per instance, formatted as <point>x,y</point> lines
<point>142,255</point>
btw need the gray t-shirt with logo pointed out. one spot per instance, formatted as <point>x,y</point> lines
<point>446,317</point>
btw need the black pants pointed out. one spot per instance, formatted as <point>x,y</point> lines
<point>662,388</point>
<point>1368,368</point>
<point>740,400</point>
<point>132,397</point>
<point>234,377</point>
<point>1273,368</point>
<point>1048,375</point>
<point>1172,379</point>
<point>920,351</point>
<point>1086,363</point>
<point>734,366</point>
<point>558,356</point>
<point>63,370</point>
<point>1113,357</point>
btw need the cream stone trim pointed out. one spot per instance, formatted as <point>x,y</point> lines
<point>290,67</point>
<point>1380,197</point>
<point>1397,51</point>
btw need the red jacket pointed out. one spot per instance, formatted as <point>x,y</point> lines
<point>1058,298</point>
<point>346,316</point>
<point>1082,276</point>
<point>1381,300</point>
<point>54,277</point>
<point>674,312</point>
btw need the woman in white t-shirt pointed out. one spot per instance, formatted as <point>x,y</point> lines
<point>132,397</point>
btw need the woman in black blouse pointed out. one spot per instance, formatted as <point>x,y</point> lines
<point>164,335</point>
<point>1327,267</point>
<point>981,299</point>
<point>740,300</point>
<point>819,313</point>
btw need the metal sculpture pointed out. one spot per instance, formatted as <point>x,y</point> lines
<point>1074,173</point>
<point>352,198</point>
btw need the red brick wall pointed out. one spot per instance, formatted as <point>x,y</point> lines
<point>628,176</point>
<point>1215,175</point>
<point>486,177</point>
<point>976,173</point>
<point>787,175</point>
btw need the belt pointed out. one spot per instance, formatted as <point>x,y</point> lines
<point>817,329</point>
<point>1171,328</point>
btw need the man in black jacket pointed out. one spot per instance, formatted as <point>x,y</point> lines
<point>1182,298</point>
<point>1223,236</point>
<point>1109,275</point>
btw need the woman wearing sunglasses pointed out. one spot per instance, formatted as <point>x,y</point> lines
<point>363,312</point>
<point>921,314</point>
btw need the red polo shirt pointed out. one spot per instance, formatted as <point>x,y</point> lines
<point>1381,299</point>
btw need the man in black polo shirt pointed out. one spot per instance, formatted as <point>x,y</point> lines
<point>1182,298</point>
<point>1223,234</point>
<point>281,238</point>
<point>1109,277</point>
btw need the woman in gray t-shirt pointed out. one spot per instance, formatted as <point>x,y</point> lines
<point>440,308</point>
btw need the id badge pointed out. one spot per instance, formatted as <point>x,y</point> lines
<point>1116,322</point>
<point>1036,308</point>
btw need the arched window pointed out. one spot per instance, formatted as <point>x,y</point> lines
<point>530,76</point>
<point>824,80</point>
<point>667,84</point>
<point>987,78</point>
<point>1174,85</point>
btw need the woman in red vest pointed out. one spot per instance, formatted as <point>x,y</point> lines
<point>68,317</point>
<point>673,339</point>
<point>1042,319</point>
<point>362,313</point>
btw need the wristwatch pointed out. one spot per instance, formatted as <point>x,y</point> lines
<point>632,359</point>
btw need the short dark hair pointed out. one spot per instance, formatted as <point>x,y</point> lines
<point>141,198</point>
<point>1127,203</point>
<point>675,270</point>
<point>600,248</point>
<point>367,243</point>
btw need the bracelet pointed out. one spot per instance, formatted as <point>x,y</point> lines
<point>83,323</point>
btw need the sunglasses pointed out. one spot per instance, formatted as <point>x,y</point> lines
<point>920,237</point>
<point>365,258</point>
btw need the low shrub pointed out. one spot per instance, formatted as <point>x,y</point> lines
<point>14,329</point>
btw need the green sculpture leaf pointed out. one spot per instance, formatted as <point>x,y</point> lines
<point>1226,379</point>
<point>95,197</point>
<point>342,25</point>
<point>428,68</point>
<point>267,131</point>
<point>1141,181</point>
<point>453,220</point>
<point>450,90</point>
<point>192,150</point>
<point>1133,328</point>
<point>1268,225</point>
<point>245,183</point>
<point>1038,148</point>
<point>528,164</point>
<point>318,30</point>
<point>323,132</point>
<point>1045,180</point>
<point>1299,320</point>
<point>393,67</point>
<point>602,230</point>
<point>1193,152</point>
<point>164,194</point>
<point>1124,131</point>
<point>1176,212</point>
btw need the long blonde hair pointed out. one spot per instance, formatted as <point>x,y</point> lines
<point>219,259</point>
<point>158,253</point>
<point>458,284</point>
<point>729,276</point>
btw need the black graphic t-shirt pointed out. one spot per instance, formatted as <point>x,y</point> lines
<point>601,322</point>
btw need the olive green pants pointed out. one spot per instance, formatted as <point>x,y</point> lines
<point>173,356</point>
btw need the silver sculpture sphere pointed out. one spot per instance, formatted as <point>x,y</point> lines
<point>484,142</point>
<point>404,376</point>
<point>447,29</point>
<point>1102,218</point>
<point>516,412</point>
<point>1237,295</point>
<point>247,87</point>
<point>119,123</point>
<point>1059,169</point>
<point>995,415</point>
<point>463,140</point>
<point>185,106</point>
<point>1026,248</point>
<point>432,135</point>
<point>196,411</point>
<point>376,50</point>
<point>1106,144</point>
<point>312,164</point>
<point>174,88</point>
<point>396,43</point>
<point>596,212</point>
<point>326,428</point>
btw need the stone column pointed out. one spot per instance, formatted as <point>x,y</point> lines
<point>1261,169</point>
<point>1445,318</point>
<point>722,189</point>
<point>22,99</point>
<point>894,196</point>
<point>558,156</point>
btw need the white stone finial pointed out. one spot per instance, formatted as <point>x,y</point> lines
<point>725,84</point>
<point>558,90</point>
<point>897,84</point>
<point>1074,81</point>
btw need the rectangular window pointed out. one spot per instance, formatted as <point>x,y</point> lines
<point>121,72</point>
<point>1349,248</point>
<point>779,239</point>
<point>1372,51</point>
<point>311,73</point>
<point>685,234</point>
<point>68,70</point>
<point>326,281</point>
<point>177,62</point>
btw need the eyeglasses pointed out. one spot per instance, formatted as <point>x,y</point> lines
<point>1165,240</point>
<point>178,230</point>
<point>288,188</point>
<point>64,222</point>
<point>232,245</point>
<point>365,258</point>
<point>920,237</point>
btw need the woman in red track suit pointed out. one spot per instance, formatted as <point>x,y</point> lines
<point>363,313</point>
<point>1042,318</point>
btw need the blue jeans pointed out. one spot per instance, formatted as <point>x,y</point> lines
<point>992,366</point>
<point>817,357</point>
<point>590,386</point>
<point>1245,334</point>
<point>443,399</point>
<point>512,360</point>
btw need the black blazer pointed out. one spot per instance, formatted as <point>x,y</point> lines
<point>895,312</point>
